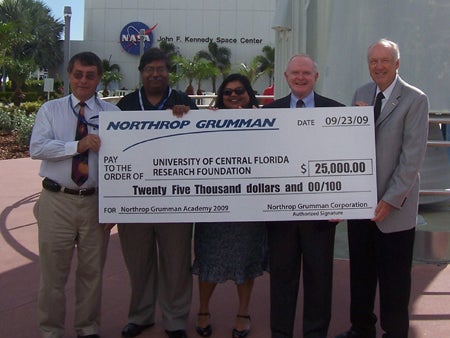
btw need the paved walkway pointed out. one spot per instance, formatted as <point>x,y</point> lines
<point>19,278</point>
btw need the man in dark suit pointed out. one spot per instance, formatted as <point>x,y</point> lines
<point>294,242</point>
<point>381,248</point>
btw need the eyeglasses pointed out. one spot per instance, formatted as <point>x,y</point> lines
<point>89,75</point>
<point>159,70</point>
<point>238,91</point>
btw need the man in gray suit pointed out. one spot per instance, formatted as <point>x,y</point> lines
<point>381,248</point>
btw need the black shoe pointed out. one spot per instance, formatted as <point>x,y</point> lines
<point>176,334</point>
<point>243,333</point>
<point>350,334</point>
<point>204,331</point>
<point>132,330</point>
<point>90,336</point>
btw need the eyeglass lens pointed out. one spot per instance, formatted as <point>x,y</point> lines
<point>159,70</point>
<point>238,91</point>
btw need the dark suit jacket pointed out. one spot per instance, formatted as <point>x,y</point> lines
<point>313,240</point>
<point>319,101</point>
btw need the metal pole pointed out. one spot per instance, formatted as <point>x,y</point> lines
<point>67,15</point>
<point>141,41</point>
<point>141,50</point>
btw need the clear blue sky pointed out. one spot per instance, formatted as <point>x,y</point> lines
<point>77,20</point>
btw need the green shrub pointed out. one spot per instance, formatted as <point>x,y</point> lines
<point>6,122</point>
<point>33,85</point>
<point>34,96</point>
<point>8,86</point>
<point>40,96</point>
<point>24,127</point>
<point>31,107</point>
<point>5,97</point>
<point>19,120</point>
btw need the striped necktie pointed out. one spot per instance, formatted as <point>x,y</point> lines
<point>80,169</point>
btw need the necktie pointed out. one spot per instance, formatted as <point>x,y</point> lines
<point>80,168</point>
<point>300,104</point>
<point>377,105</point>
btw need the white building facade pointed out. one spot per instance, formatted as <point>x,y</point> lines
<point>336,33</point>
<point>112,27</point>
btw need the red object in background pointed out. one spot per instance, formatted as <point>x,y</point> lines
<point>268,91</point>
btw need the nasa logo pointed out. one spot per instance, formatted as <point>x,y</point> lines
<point>129,37</point>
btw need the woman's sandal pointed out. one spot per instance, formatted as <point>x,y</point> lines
<point>204,331</point>
<point>243,333</point>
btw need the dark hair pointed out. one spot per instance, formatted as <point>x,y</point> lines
<point>86,59</point>
<point>153,54</point>
<point>248,88</point>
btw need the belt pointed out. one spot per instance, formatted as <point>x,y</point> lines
<point>53,186</point>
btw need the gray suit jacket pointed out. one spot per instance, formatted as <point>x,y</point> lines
<point>401,134</point>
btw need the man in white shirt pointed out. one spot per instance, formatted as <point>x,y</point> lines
<point>65,137</point>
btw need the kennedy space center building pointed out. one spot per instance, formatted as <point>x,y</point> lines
<point>335,33</point>
<point>112,29</point>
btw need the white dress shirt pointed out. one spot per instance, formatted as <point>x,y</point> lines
<point>53,138</point>
<point>307,101</point>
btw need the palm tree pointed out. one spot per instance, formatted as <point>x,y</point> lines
<point>187,69</point>
<point>253,71</point>
<point>33,18</point>
<point>267,62</point>
<point>36,37</point>
<point>20,71</point>
<point>6,34</point>
<point>219,57</point>
<point>171,50</point>
<point>174,78</point>
<point>205,70</point>
<point>111,73</point>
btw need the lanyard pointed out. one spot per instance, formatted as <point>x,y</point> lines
<point>160,106</point>
<point>82,118</point>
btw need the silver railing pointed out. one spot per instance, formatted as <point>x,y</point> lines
<point>205,101</point>
<point>438,118</point>
<point>202,101</point>
<point>432,238</point>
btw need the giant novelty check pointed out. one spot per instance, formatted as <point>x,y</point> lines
<point>237,165</point>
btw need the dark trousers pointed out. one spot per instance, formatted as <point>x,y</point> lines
<point>290,245</point>
<point>386,259</point>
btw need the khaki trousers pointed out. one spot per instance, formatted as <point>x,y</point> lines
<point>68,222</point>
